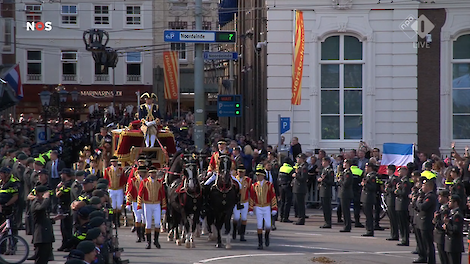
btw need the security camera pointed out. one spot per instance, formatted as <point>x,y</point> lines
<point>260,45</point>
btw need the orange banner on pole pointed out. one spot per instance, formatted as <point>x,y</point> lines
<point>171,74</point>
<point>298,58</point>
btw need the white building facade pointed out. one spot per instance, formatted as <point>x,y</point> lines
<point>364,75</point>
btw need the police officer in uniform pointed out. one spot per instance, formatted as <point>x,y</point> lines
<point>63,193</point>
<point>300,187</point>
<point>346,194</point>
<point>43,236</point>
<point>368,197</point>
<point>326,181</point>
<point>438,221</point>
<point>378,202</point>
<point>402,202</point>
<point>426,206</point>
<point>285,189</point>
<point>357,189</point>
<point>453,226</point>
<point>76,188</point>
<point>390,198</point>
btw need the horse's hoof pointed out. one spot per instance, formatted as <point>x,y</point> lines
<point>188,245</point>
<point>178,242</point>
<point>219,246</point>
<point>228,247</point>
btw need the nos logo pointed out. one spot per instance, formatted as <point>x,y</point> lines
<point>39,26</point>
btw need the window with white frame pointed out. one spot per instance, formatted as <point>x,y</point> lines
<point>341,88</point>
<point>8,43</point>
<point>33,13</point>
<point>69,14</point>
<point>134,65</point>
<point>133,15</point>
<point>101,15</point>
<point>180,47</point>
<point>461,87</point>
<point>69,60</point>
<point>33,65</point>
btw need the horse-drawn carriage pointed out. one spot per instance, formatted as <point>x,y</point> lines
<point>128,143</point>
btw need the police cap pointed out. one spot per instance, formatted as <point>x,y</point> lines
<point>96,221</point>
<point>86,247</point>
<point>96,214</point>
<point>5,170</point>
<point>66,171</point>
<point>101,186</point>
<point>84,212</point>
<point>103,180</point>
<point>22,156</point>
<point>90,179</point>
<point>75,255</point>
<point>41,189</point>
<point>95,200</point>
<point>98,193</point>
<point>93,233</point>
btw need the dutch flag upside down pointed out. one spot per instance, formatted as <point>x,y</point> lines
<point>13,78</point>
<point>396,154</point>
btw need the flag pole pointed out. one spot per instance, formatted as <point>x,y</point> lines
<point>179,87</point>
<point>292,65</point>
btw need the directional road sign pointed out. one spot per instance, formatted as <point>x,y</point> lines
<point>229,105</point>
<point>200,36</point>
<point>285,124</point>
<point>220,55</point>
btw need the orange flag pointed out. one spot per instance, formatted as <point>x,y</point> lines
<point>171,74</point>
<point>298,58</point>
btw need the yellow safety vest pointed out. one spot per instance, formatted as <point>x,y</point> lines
<point>428,175</point>
<point>356,171</point>
<point>286,168</point>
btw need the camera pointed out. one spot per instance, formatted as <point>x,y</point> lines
<point>260,45</point>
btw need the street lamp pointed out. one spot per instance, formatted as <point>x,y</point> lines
<point>74,95</point>
<point>63,96</point>
<point>45,101</point>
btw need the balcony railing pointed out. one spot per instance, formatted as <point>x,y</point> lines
<point>69,77</point>
<point>133,78</point>
<point>34,77</point>
<point>101,78</point>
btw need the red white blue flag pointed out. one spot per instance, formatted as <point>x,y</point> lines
<point>396,154</point>
<point>13,78</point>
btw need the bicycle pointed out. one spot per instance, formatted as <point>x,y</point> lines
<point>13,248</point>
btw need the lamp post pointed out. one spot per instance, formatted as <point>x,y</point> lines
<point>45,101</point>
<point>62,100</point>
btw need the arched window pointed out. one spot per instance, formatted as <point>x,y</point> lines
<point>461,87</point>
<point>341,88</point>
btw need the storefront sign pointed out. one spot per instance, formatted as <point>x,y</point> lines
<point>100,94</point>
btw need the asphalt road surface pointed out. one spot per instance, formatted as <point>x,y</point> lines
<point>289,244</point>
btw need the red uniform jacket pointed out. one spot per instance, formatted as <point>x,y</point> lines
<point>151,193</point>
<point>214,162</point>
<point>246,188</point>
<point>133,185</point>
<point>117,179</point>
<point>262,196</point>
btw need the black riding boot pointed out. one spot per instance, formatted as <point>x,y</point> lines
<point>149,240</point>
<point>139,232</point>
<point>242,233</point>
<point>266,237</point>
<point>234,232</point>
<point>155,240</point>
<point>260,241</point>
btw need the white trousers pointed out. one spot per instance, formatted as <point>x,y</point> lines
<point>152,211</point>
<point>117,198</point>
<point>243,212</point>
<point>139,216</point>
<point>263,213</point>
<point>214,176</point>
<point>150,141</point>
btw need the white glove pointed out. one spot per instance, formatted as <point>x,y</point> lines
<point>209,173</point>
<point>147,124</point>
<point>251,213</point>
<point>128,208</point>
<point>163,212</point>
<point>273,213</point>
<point>153,123</point>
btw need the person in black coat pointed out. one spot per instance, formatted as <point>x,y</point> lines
<point>346,193</point>
<point>438,221</point>
<point>43,235</point>
<point>326,181</point>
<point>402,202</point>
<point>426,206</point>
<point>390,197</point>
<point>453,226</point>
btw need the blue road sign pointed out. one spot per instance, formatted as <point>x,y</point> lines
<point>220,55</point>
<point>229,105</point>
<point>285,124</point>
<point>42,135</point>
<point>200,36</point>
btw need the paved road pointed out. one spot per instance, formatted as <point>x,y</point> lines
<point>289,244</point>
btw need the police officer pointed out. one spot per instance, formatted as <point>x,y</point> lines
<point>402,201</point>
<point>326,182</point>
<point>346,194</point>
<point>285,189</point>
<point>63,193</point>
<point>77,188</point>
<point>426,206</point>
<point>390,197</point>
<point>438,221</point>
<point>368,197</point>
<point>453,226</point>
<point>357,189</point>
<point>378,202</point>
<point>300,187</point>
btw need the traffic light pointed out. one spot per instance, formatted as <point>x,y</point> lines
<point>237,109</point>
